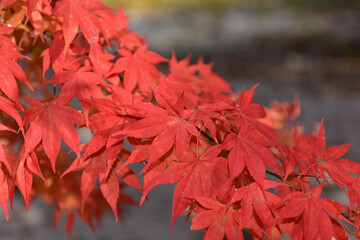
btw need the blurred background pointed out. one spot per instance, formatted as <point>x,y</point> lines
<point>305,47</point>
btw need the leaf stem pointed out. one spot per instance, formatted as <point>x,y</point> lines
<point>282,179</point>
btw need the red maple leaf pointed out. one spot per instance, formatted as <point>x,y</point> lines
<point>310,215</point>
<point>111,24</point>
<point>204,114</point>
<point>65,195</point>
<point>204,176</point>
<point>100,60</point>
<point>7,181</point>
<point>30,5</point>
<point>109,183</point>
<point>279,113</point>
<point>81,83</point>
<point>4,193</point>
<point>24,180</point>
<point>257,207</point>
<point>12,110</point>
<point>169,126</point>
<point>210,80</point>
<point>354,193</point>
<point>58,58</point>
<point>9,68</point>
<point>327,159</point>
<point>79,13</point>
<point>112,118</point>
<point>181,80</point>
<point>218,219</point>
<point>139,68</point>
<point>251,150</point>
<point>246,112</point>
<point>25,167</point>
<point>182,68</point>
<point>52,121</point>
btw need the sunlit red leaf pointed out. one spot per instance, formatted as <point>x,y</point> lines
<point>51,122</point>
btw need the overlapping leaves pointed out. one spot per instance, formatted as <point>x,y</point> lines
<point>184,124</point>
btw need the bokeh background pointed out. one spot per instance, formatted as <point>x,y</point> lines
<point>305,47</point>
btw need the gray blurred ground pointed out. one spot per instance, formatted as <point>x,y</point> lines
<point>315,54</point>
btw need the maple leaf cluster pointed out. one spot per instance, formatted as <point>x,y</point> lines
<point>72,64</point>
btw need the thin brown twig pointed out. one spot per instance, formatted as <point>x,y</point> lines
<point>282,179</point>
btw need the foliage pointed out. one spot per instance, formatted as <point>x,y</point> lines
<point>74,64</point>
